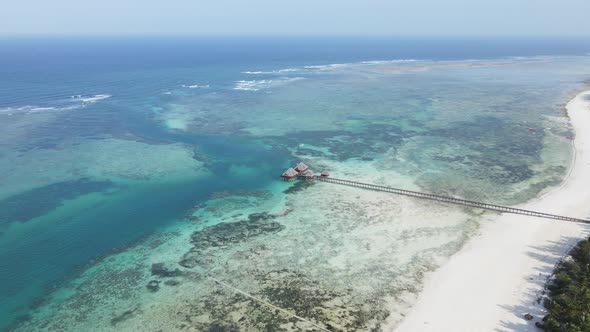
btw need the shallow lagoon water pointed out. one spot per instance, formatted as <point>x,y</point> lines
<point>179,168</point>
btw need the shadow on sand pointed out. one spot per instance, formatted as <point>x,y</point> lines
<point>547,257</point>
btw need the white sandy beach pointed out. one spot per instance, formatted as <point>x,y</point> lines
<point>497,277</point>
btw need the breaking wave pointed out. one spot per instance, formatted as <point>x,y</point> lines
<point>381,62</point>
<point>329,66</point>
<point>318,68</point>
<point>255,85</point>
<point>280,71</point>
<point>196,86</point>
<point>333,66</point>
<point>90,99</point>
<point>74,102</point>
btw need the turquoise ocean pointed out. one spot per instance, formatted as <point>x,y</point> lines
<point>139,185</point>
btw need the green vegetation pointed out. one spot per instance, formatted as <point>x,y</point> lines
<point>569,295</point>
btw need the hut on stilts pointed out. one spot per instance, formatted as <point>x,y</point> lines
<point>301,170</point>
<point>290,174</point>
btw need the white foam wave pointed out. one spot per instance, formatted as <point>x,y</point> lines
<point>41,109</point>
<point>196,86</point>
<point>90,99</point>
<point>30,109</point>
<point>255,85</point>
<point>381,62</point>
<point>74,102</point>
<point>252,85</point>
<point>333,66</point>
<point>328,66</point>
<point>280,71</point>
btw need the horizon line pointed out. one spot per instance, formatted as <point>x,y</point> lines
<point>308,36</point>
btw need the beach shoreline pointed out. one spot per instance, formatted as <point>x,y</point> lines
<point>500,274</point>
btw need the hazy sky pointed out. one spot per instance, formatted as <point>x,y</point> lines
<point>297,17</point>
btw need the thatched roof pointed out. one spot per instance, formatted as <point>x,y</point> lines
<point>290,173</point>
<point>301,167</point>
<point>309,174</point>
<point>325,173</point>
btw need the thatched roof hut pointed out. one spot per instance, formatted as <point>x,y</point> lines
<point>325,174</point>
<point>301,167</point>
<point>309,175</point>
<point>290,174</point>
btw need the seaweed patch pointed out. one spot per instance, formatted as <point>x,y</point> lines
<point>227,234</point>
<point>310,306</point>
<point>128,314</point>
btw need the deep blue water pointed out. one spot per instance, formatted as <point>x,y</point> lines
<point>36,69</point>
<point>135,71</point>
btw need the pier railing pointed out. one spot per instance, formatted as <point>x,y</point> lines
<point>449,199</point>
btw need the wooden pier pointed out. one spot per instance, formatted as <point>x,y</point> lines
<point>448,199</point>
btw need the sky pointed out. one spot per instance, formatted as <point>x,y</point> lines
<point>297,17</point>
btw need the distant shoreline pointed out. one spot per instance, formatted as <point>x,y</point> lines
<point>499,274</point>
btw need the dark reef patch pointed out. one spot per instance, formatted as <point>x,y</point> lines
<point>172,282</point>
<point>17,322</point>
<point>40,201</point>
<point>153,286</point>
<point>158,269</point>
<point>265,194</point>
<point>38,303</point>
<point>224,203</point>
<point>227,234</point>
<point>297,293</point>
<point>335,310</point>
<point>504,150</point>
<point>298,186</point>
<point>367,144</point>
<point>125,316</point>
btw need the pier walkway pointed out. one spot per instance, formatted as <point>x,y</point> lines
<point>448,199</point>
